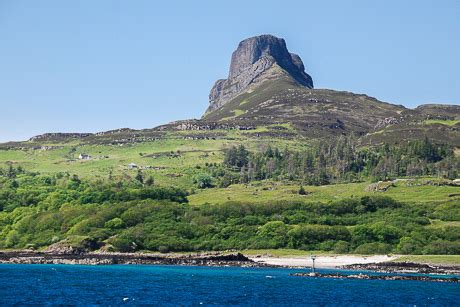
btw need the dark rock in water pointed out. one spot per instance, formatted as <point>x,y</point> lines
<point>404,267</point>
<point>253,57</point>
<point>380,277</point>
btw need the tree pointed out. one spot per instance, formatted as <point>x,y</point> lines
<point>115,223</point>
<point>14,184</point>
<point>140,176</point>
<point>236,156</point>
<point>273,234</point>
<point>203,181</point>
<point>302,191</point>
<point>150,181</point>
<point>11,172</point>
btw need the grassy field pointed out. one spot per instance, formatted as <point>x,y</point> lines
<point>175,160</point>
<point>446,122</point>
<point>274,191</point>
<point>171,161</point>
<point>431,259</point>
<point>283,252</point>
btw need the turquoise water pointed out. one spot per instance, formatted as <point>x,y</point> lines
<point>172,285</point>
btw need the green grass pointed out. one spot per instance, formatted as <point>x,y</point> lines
<point>443,122</point>
<point>431,259</point>
<point>282,252</point>
<point>192,153</point>
<point>268,191</point>
<point>236,113</point>
<point>177,171</point>
<point>442,224</point>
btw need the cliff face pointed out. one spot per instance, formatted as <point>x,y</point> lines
<point>253,57</point>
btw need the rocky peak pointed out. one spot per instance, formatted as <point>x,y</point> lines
<point>253,57</point>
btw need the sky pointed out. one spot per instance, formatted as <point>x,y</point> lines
<point>88,66</point>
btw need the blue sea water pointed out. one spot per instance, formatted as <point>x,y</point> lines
<point>179,285</point>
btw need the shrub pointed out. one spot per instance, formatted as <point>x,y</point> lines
<point>305,236</point>
<point>442,247</point>
<point>341,247</point>
<point>203,181</point>
<point>302,191</point>
<point>373,248</point>
<point>115,223</point>
<point>273,234</point>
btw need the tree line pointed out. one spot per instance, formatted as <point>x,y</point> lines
<point>340,160</point>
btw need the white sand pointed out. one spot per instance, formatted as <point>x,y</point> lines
<point>323,261</point>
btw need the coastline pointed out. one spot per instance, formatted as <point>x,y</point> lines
<point>110,258</point>
<point>206,258</point>
<point>375,263</point>
<point>322,261</point>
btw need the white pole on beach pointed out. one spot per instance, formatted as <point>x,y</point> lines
<point>313,258</point>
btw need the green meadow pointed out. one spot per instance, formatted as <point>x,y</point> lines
<point>272,191</point>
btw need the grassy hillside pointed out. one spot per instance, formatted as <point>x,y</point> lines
<point>319,113</point>
<point>172,160</point>
<point>438,130</point>
<point>268,191</point>
<point>313,112</point>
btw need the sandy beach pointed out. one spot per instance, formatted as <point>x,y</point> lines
<point>323,261</point>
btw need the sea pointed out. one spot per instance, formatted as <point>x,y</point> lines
<point>194,286</point>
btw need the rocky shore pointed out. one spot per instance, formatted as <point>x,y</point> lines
<point>379,277</point>
<point>71,256</point>
<point>209,259</point>
<point>404,267</point>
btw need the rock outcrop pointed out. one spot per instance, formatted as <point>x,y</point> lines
<point>253,57</point>
<point>105,258</point>
<point>59,136</point>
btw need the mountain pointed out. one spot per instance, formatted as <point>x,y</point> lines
<point>269,94</point>
<point>268,85</point>
<point>256,60</point>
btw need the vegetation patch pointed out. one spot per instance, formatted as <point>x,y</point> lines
<point>447,122</point>
<point>64,211</point>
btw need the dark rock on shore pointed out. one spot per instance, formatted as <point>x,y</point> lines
<point>73,257</point>
<point>404,267</point>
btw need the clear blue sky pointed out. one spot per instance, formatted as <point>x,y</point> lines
<point>87,66</point>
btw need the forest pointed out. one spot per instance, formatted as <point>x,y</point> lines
<point>38,210</point>
<point>338,161</point>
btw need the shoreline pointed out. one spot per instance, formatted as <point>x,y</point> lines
<point>110,258</point>
<point>374,263</point>
<point>322,261</point>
